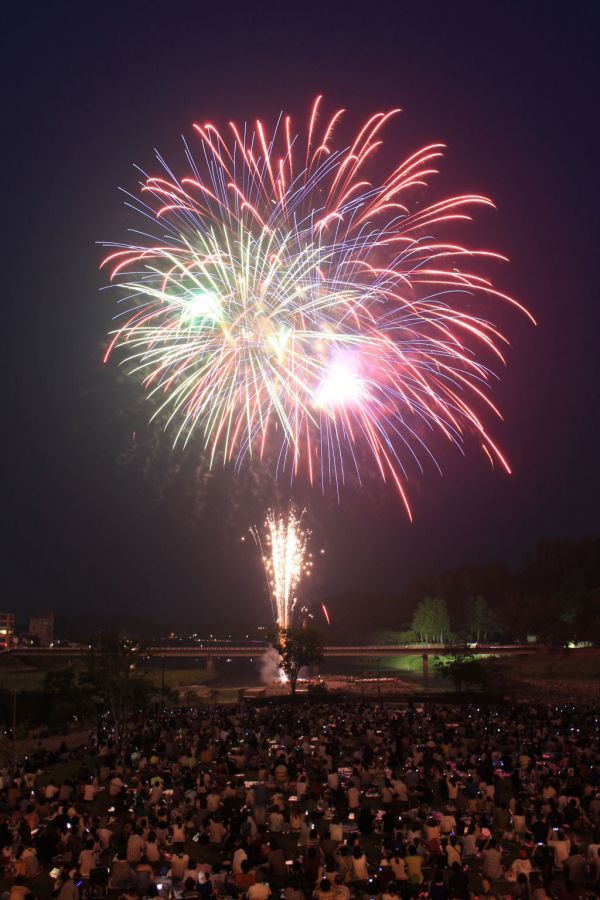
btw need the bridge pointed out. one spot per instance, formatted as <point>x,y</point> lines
<point>249,651</point>
<point>212,652</point>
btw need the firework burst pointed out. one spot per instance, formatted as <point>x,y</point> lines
<point>286,301</point>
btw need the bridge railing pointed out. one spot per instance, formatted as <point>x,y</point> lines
<point>254,650</point>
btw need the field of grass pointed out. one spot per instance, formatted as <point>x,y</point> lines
<point>582,665</point>
<point>579,667</point>
<point>556,665</point>
<point>174,678</point>
<point>179,678</point>
<point>407,664</point>
<point>21,681</point>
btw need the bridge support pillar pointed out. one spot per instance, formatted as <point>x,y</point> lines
<point>210,664</point>
<point>426,670</point>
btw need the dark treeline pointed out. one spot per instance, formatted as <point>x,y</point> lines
<point>110,682</point>
<point>556,597</point>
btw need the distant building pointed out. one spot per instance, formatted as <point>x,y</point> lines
<point>7,627</point>
<point>41,626</point>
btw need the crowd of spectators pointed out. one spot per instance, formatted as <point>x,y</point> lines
<point>326,800</point>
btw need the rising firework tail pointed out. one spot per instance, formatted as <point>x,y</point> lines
<point>287,301</point>
<point>283,546</point>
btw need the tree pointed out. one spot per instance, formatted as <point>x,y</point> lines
<point>60,683</point>
<point>461,669</point>
<point>114,675</point>
<point>63,698</point>
<point>431,621</point>
<point>481,621</point>
<point>299,647</point>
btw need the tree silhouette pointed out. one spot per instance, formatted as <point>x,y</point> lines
<point>431,621</point>
<point>299,647</point>
<point>114,674</point>
<point>461,669</point>
<point>481,621</point>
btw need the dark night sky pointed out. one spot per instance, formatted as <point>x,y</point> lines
<point>91,88</point>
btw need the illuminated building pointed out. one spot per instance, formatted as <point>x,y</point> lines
<point>7,627</point>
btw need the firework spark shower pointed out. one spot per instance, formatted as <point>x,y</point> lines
<point>288,299</point>
<point>283,545</point>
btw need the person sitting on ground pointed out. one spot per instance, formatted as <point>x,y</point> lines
<point>122,875</point>
<point>360,869</point>
<point>520,866</point>
<point>438,889</point>
<point>458,882</point>
<point>414,866</point>
<point>453,853</point>
<point>432,835</point>
<point>398,867</point>
<point>153,854</point>
<point>569,891</point>
<point>205,888</point>
<point>486,890</point>
<point>323,891</point>
<point>344,863</point>
<point>179,864</point>
<point>391,891</point>
<point>67,889</point>
<point>491,864</point>
<point>245,878</point>
<point>88,858</point>
<point>260,890</point>
<point>20,891</point>
<point>521,889</point>
<point>136,846</point>
<point>312,865</point>
<point>144,875</point>
<point>190,889</point>
<point>537,890</point>
<point>293,892</point>
<point>575,867</point>
<point>561,845</point>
